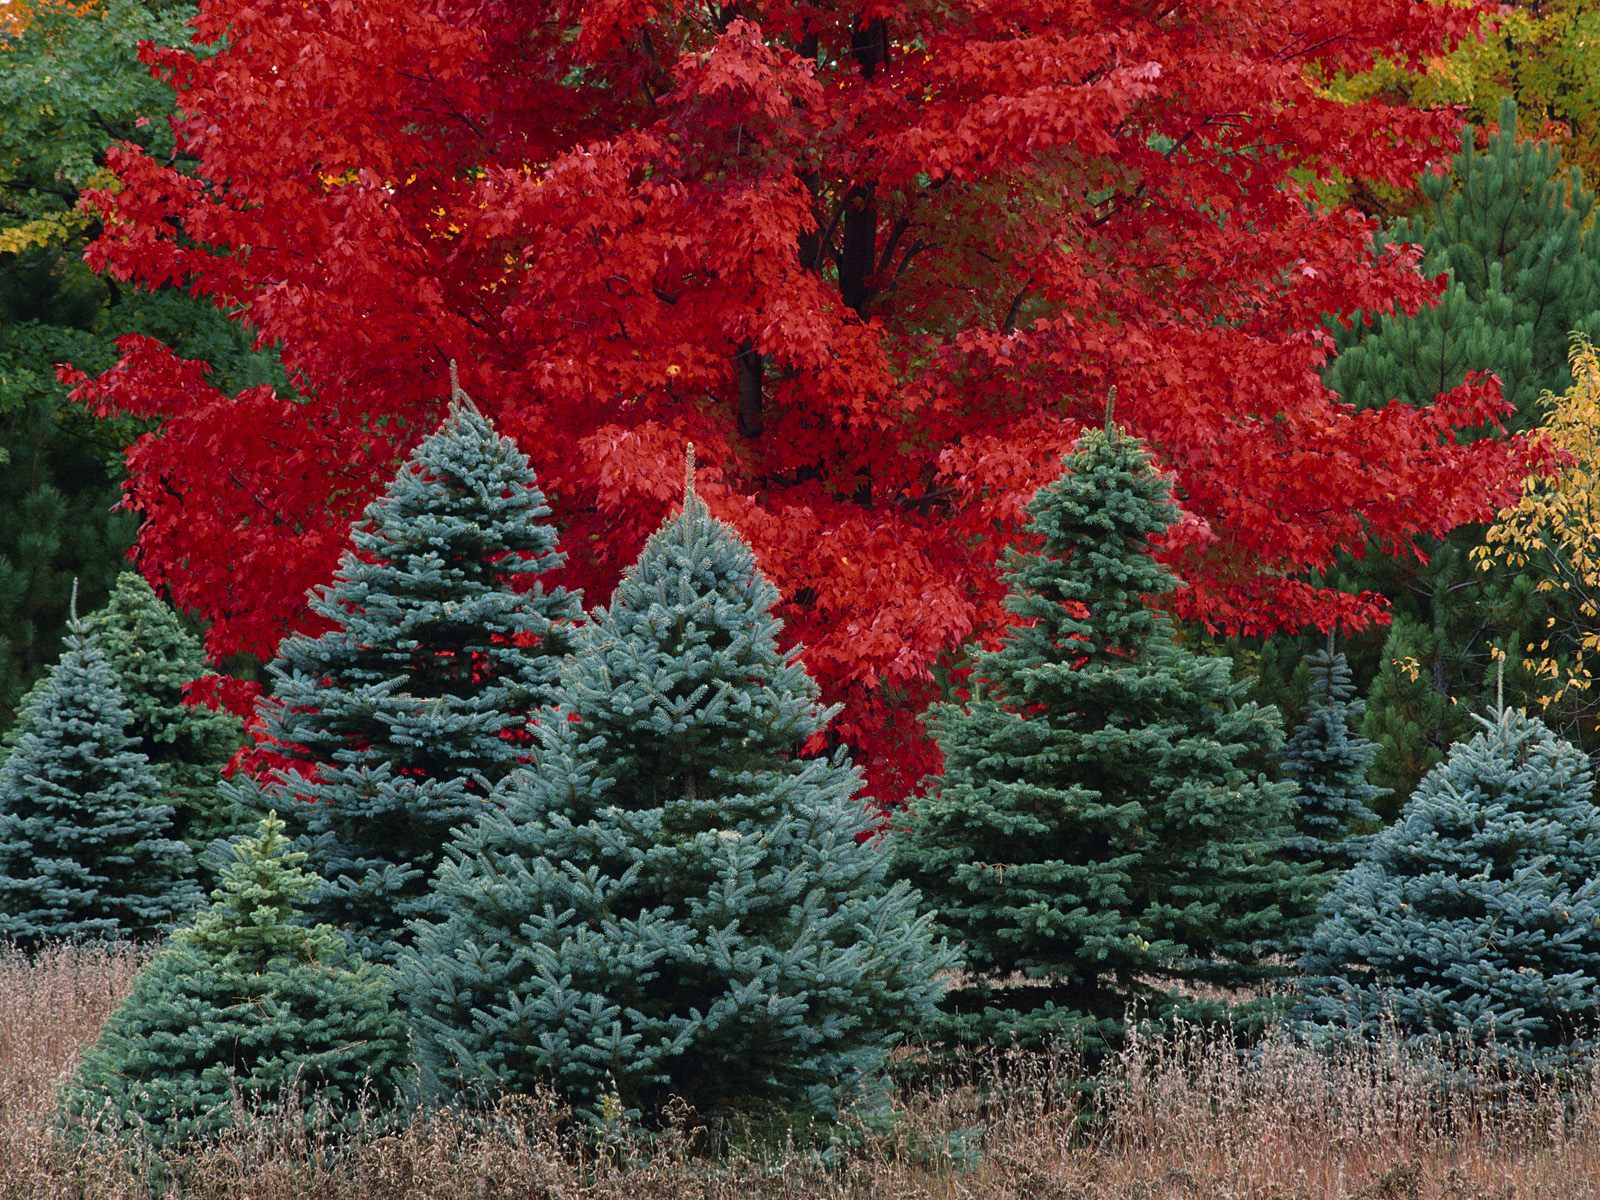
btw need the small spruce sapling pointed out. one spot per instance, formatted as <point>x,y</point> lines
<point>247,1009</point>
<point>1473,921</point>
<point>1329,762</point>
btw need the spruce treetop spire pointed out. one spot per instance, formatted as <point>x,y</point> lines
<point>688,475</point>
<point>458,397</point>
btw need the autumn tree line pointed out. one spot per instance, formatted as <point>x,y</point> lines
<point>478,832</point>
<point>495,843</point>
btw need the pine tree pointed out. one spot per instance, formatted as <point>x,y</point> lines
<point>677,900</point>
<point>1329,762</point>
<point>153,656</point>
<point>416,702</point>
<point>1476,917</point>
<point>85,837</point>
<point>247,1003</point>
<point>1509,226</point>
<point>1103,831</point>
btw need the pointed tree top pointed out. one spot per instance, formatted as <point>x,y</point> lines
<point>72,605</point>
<point>688,475</point>
<point>1111,405</point>
<point>459,398</point>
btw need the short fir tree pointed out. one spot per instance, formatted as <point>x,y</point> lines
<point>85,835</point>
<point>1474,921</point>
<point>677,901</point>
<point>1104,833</point>
<point>402,716</point>
<point>1329,761</point>
<point>153,657</point>
<point>247,1009</point>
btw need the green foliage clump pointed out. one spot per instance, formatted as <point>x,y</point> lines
<point>1329,762</point>
<point>247,1009</point>
<point>1474,921</point>
<point>677,901</point>
<point>416,702</point>
<point>153,656</point>
<point>85,834</point>
<point>1104,836</point>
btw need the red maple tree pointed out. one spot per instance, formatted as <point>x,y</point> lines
<point>880,261</point>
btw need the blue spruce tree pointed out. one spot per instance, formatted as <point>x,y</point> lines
<point>1329,762</point>
<point>1103,836</point>
<point>1475,919</point>
<point>246,1004</point>
<point>86,846</point>
<point>404,715</point>
<point>676,901</point>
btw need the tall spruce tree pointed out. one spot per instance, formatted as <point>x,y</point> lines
<point>678,900</point>
<point>247,1004</point>
<point>1103,833</point>
<point>153,656</point>
<point>1475,919</point>
<point>403,715</point>
<point>85,834</point>
<point>1510,229</point>
<point>1329,762</point>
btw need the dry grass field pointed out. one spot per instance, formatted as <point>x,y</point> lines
<point>1181,1121</point>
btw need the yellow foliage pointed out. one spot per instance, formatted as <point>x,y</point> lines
<point>43,231</point>
<point>1546,56</point>
<point>1555,526</point>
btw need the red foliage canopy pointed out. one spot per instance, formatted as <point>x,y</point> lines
<point>879,260</point>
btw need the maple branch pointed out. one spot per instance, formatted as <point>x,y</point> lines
<point>1009,325</point>
<point>825,238</point>
<point>858,256</point>
<point>892,242</point>
<point>749,367</point>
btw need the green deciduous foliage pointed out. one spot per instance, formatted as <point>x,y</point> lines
<point>1103,833</point>
<point>677,900</point>
<point>86,849</point>
<point>1540,53</point>
<point>1329,761</point>
<point>247,1007</point>
<point>403,715</point>
<point>1476,918</point>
